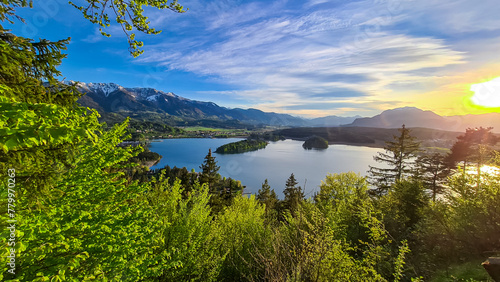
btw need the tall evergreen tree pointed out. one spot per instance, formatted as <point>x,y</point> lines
<point>209,171</point>
<point>267,196</point>
<point>399,156</point>
<point>434,171</point>
<point>293,195</point>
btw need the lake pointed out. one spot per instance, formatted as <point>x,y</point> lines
<point>276,162</point>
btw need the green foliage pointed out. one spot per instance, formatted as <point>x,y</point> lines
<point>344,199</point>
<point>474,212</point>
<point>222,189</point>
<point>183,246</point>
<point>78,229</point>
<point>403,208</point>
<point>129,14</point>
<point>400,262</point>
<point>266,136</point>
<point>40,124</point>
<point>242,230</point>
<point>186,177</point>
<point>25,64</point>
<point>241,147</point>
<point>467,272</point>
<point>142,130</point>
<point>306,248</point>
<point>146,156</point>
<point>209,175</point>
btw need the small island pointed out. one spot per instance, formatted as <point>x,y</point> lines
<point>241,147</point>
<point>315,142</point>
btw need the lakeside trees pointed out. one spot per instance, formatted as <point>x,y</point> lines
<point>474,146</point>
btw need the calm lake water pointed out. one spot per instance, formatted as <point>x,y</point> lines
<point>276,162</point>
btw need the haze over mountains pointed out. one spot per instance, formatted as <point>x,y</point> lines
<point>112,98</point>
<point>414,117</point>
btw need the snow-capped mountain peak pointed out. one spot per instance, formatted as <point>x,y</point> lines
<point>138,93</point>
<point>150,94</point>
<point>105,88</point>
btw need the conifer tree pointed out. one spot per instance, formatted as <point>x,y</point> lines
<point>209,171</point>
<point>209,175</point>
<point>399,156</point>
<point>433,171</point>
<point>267,196</point>
<point>293,195</point>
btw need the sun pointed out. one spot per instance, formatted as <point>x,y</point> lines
<point>487,94</point>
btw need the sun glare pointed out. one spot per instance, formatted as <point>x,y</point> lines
<point>487,94</point>
<point>492,170</point>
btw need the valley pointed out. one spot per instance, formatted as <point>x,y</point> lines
<point>156,114</point>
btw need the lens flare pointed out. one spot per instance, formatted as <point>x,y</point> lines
<point>487,94</point>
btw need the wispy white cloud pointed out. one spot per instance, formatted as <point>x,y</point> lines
<point>452,17</point>
<point>353,53</point>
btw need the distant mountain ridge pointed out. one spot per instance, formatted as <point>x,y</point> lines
<point>410,116</point>
<point>414,117</point>
<point>332,121</point>
<point>113,98</point>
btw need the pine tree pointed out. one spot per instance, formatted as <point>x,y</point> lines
<point>399,155</point>
<point>267,196</point>
<point>293,195</point>
<point>41,124</point>
<point>433,171</point>
<point>209,171</point>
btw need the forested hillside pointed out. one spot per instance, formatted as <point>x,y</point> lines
<point>370,136</point>
<point>75,206</point>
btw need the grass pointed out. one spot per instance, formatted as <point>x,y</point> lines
<point>201,128</point>
<point>469,271</point>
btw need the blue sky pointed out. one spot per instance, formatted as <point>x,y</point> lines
<point>309,58</point>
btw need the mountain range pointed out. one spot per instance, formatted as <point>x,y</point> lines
<point>414,117</point>
<point>112,99</point>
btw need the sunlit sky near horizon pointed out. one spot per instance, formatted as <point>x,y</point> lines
<point>309,58</point>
